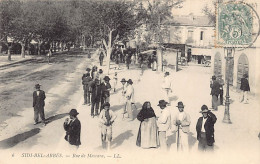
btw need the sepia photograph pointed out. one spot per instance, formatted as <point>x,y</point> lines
<point>130,81</point>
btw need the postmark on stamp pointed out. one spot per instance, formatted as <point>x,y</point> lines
<point>233,25</point>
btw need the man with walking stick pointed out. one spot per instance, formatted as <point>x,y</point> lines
<point>182,123</point>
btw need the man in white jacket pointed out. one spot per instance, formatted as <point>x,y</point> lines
<point>164,122</point>
<point>167,86</point>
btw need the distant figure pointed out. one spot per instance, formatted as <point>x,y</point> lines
<point>115,81</point>
<point>105,91</point>
<point>88,70</point>
<point>38,104</point>
<point>205,129</point>
<point>49,54</point>
<point>94,72</point>
<point>129,98</point>
<point>245,88</point>
<point>147,135</point>
<point>221,92</point>
<point>164,123</point>
<point>95,97</point>
<point>107,118</point>
<point>101,57</point>
<point>123,100</point>
<point>182,123</point>
<point>100,76</point>
<point>154,64</point>
<point>128,60</point>
<point>86,80</point>
<point>214,85</point>
<point>72,127</point>
<point>167,86</point>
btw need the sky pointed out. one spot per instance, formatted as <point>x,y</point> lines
<point>193,6</point>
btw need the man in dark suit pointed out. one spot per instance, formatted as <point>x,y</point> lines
<point>86,80</point>
<point>38,104</point>
<point>205,129</point>
<point>95,97</point>
<point>215,90</point>
<point>105,91</point>
<point>72,127</point>
<point>245,88</point>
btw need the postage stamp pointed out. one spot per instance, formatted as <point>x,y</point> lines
<point>234,23</point>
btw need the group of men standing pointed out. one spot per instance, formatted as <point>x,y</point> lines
<point>96,88</point>
<point>180,123</point>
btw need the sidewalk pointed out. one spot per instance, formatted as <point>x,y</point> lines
<point>14,59</point>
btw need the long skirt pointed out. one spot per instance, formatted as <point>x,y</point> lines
<point>148,134</point>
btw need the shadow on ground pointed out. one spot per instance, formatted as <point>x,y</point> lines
<point>12,141</point>
<point>121,138</point>
<point>56,117</point>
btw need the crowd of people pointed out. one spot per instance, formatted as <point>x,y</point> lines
<point>153,127</point>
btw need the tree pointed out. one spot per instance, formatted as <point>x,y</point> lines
<point>9,12</point>
<point>114,19</point>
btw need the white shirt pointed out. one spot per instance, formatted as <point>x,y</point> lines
<point>203,123</point>
<point>180,116</point>
<point>38,93</point>
<point>166,82</point>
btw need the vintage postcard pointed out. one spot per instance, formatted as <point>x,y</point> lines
<point>130,81</point>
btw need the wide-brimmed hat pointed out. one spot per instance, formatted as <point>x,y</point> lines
<point>130,81</point>
<point>37,85</point>
<point>106,104</point>
<point>100,71</point>
<point>213,77</point>
<point>204,109</point>
<point>162,103</point>
<point>73,112</point>
<point>180,104</point>
<point>106,78</point>
<point>167,73</point>
<point>88,69</point>
<point>123,80</point>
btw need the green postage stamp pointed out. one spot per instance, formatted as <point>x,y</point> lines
<point>234,23</point>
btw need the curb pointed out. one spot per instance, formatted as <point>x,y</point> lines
<point>21,61</point>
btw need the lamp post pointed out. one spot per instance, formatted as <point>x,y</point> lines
<point>230,53</point>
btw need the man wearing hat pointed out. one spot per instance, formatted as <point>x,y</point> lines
<point>163,123</point>
<point>221,84</point>
<point>105,91</point>
<point>95,97</point>
<point>106,119</point>
<point>182,123</point>
<point>72,127</point>
<point>214,85</point>
<point>129,98</point>
<point>245,88</point>
<point>205,129</point>
<point>167,86</point>
<point>86,80</point>
<point>38,104</point>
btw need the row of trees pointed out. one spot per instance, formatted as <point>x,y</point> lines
<point>65,21</point>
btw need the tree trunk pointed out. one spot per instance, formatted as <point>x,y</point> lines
<point>109,51</point>
<point>39,47</point>
<point>23,50</point>
<point>159,59</point>
<point>9,51</point>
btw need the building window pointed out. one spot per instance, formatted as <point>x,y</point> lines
<point>190,34</point>
<point>201,35</point>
